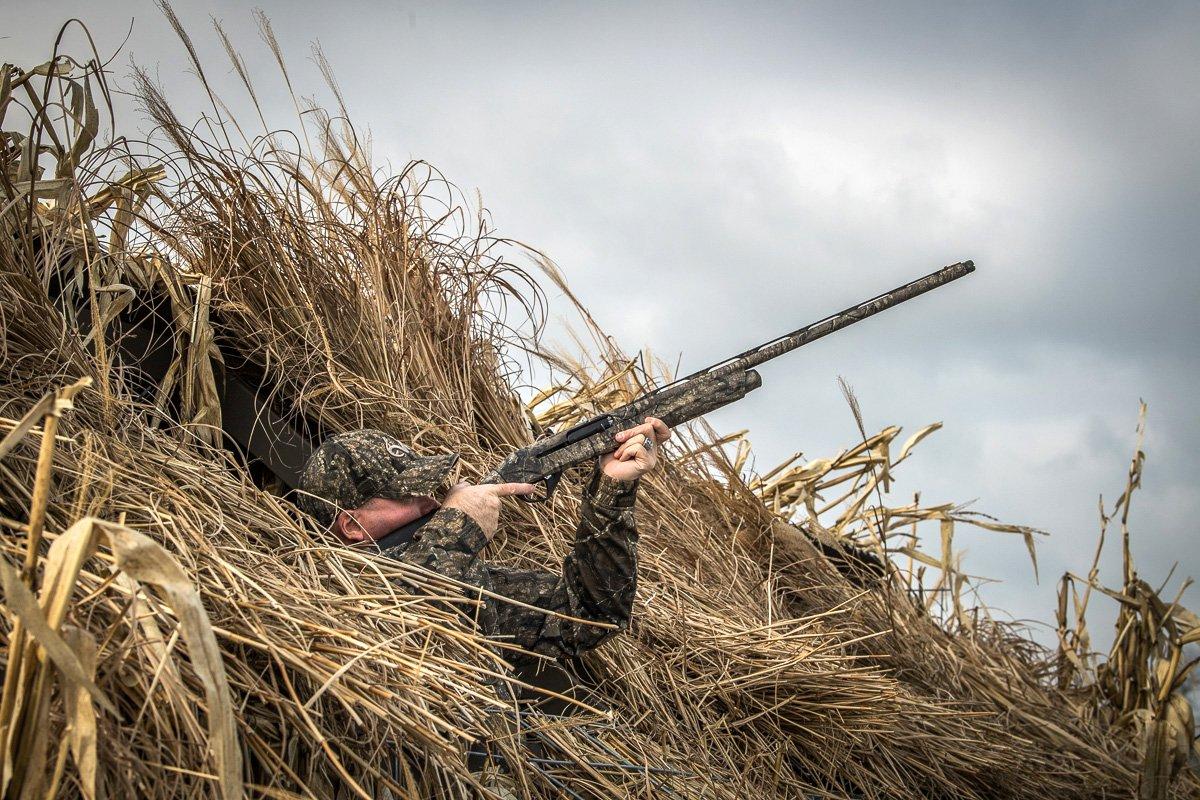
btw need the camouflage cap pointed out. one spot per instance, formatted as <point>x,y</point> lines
<point>349,469</point>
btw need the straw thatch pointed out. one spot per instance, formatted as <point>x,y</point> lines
<point>174,629</point>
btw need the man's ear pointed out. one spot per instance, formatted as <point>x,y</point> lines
<point>348,529</point>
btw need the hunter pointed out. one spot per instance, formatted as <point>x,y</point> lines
<point>366,484</point>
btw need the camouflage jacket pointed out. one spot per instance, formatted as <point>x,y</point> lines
<point>597,580</point>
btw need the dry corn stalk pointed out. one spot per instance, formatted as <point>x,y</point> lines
<point>38,641</point>
<point>1139,685</point>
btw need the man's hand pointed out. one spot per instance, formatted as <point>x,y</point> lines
<point>638,453</point>
<point>482,503</point>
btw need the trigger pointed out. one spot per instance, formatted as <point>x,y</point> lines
<point>551,485</point>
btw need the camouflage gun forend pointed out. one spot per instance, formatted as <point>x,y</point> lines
<point>682,400</point>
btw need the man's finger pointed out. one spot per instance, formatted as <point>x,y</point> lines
<point>509,489</point>
<point>629,433</point>
<point>661,431</point>
<point>636,441</point>
<point>639,438</point>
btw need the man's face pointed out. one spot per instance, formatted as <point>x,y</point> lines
<point>380,516</point>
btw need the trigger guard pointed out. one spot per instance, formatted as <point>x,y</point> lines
<point>551,484</point>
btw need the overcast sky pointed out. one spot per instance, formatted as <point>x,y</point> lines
<point>709,176</point>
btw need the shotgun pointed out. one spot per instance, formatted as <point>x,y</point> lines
<point>677,402</point>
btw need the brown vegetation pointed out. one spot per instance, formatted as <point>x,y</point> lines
<point>173,629</point>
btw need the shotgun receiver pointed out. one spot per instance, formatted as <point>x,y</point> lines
<point>682,400</point>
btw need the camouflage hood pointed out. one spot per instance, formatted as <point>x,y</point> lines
<point>349,469</point>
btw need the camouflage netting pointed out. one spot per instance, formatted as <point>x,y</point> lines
<point>173,629</point>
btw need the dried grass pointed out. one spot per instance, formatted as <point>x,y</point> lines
<point>174,630</point>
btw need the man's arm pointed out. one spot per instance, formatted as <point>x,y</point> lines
<point>598,578</point>
<point>597,581</point>
<point>449,544</point>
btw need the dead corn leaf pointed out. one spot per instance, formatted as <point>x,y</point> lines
<point>81,717</point>
<point>146,561</point>
<point>22,603</point>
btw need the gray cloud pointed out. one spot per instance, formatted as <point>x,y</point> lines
<point>709,176</point>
